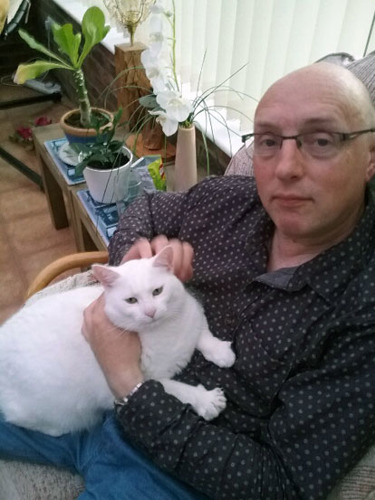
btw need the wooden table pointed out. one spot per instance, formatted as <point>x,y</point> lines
<point>62,208</point>
<point>57,190</point>
<point>86,233</point>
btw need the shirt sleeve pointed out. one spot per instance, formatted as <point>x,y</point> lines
<point>212,459</point>
<point>321,425</point>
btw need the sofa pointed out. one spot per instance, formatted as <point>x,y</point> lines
<point>23,481</point>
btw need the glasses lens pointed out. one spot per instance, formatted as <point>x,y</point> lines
<point>266,144</point>
<point>320,144</point>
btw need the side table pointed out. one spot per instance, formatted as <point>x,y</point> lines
<point>57,190</point>
<point>87,235</point>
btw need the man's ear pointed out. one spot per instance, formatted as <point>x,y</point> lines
<point>106,275</point>
<point>371,166</point>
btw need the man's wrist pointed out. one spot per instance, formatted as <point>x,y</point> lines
<point>120,402</point>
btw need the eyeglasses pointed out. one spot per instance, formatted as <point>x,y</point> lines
<point>316,144</point>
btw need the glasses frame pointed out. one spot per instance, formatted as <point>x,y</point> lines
<point>344,136</point>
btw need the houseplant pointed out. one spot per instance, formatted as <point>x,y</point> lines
<point>105,164</point>
<point>71,56</point>
<point>173,110</point>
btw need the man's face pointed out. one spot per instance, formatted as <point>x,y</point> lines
<point>311,199</point>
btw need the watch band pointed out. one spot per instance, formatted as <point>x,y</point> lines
<point>121,402</point>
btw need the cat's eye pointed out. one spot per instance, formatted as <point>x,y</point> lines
<point>157,291</point>
<point>131,300</point>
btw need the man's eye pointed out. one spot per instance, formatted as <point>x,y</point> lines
<point>267,141</point>
<point>321,140</point>
<point>131,300</point>
<point>157,291</point>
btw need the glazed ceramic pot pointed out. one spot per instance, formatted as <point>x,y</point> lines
<point>76,134</point>
<point>109,186</point>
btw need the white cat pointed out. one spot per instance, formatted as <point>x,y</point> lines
<point>49,378</point>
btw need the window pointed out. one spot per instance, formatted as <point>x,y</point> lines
<point>272,37</point>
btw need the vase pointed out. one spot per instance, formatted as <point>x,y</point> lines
<point>185,168</point>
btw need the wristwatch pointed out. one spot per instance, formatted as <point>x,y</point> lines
<point>119,403</point>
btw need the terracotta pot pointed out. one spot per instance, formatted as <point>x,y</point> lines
<point>109,186</point>
<point>81,135</point>
<point>185,169</point>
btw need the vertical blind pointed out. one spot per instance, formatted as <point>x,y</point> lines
<point>269,37</point>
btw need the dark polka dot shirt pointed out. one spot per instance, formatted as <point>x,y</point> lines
<point>301,393</point>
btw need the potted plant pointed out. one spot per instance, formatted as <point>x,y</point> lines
<point>79,124</point>
<point>105,164</point>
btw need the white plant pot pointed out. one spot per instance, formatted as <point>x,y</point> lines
<point>108,186</point>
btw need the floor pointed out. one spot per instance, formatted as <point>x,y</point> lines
<point>28,241</point>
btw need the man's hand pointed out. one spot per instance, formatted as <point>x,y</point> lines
<point>117,351</point>
<point>182,254</point>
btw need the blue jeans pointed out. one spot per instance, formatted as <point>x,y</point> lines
<point>112,469</point>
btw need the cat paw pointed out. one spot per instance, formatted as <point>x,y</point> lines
<point>211,404</point>
<point>221,354</point>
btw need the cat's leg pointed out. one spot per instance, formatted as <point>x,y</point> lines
<point>215,350</point>
<point>208,404</point>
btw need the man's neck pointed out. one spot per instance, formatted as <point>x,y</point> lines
<point>288,250</point>
<point>288,253</point>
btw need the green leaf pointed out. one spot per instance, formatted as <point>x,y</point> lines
<point>29,71</point>
<point>117,117</point>
<point>67,41</point>
<point>148,101</point>
<point>93,30</point>
<point>31,42</point>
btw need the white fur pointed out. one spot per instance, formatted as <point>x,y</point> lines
<point>49,378</point>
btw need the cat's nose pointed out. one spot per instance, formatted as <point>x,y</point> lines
<point>150,312</point>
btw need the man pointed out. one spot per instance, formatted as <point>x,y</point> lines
<point>286,270</point>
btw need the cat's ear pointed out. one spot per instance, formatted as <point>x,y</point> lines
<point>164,258</point>
<point>105,275</point>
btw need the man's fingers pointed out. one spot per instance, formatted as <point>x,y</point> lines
<point>182,254</point>
<point>159,242</point>
<point>188,255</point>
<point>182,259</point>
<point>140,250</point>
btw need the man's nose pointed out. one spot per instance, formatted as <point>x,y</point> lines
<point>290,162</point>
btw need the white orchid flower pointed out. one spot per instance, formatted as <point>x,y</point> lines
<point>148,59</point>
<point>157,45</point>
<point>158,84</point>
<point>157,8</point>
<point>168,124</point>
<point>175,106</point>
<point>156,24</point>
<point>153,66</point>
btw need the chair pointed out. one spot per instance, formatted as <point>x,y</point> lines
<point>59,266</point>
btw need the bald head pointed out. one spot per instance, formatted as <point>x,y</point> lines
<point>327,79</point>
